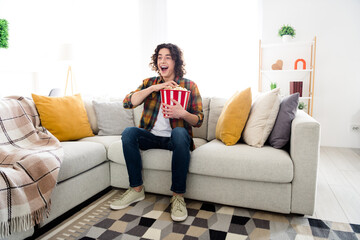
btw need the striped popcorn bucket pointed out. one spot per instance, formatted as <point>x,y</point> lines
<point>179,95</point>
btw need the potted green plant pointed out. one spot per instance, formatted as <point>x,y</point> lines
<point>4,34</point>
<point>301,105</point>
<point>273,85</point>
<point>287,32</point>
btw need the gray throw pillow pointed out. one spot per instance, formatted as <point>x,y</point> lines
<point>112,118</point>
<point>280,134</point>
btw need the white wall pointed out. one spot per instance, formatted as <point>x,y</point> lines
<point>336,24</point>
<point>104,32</point>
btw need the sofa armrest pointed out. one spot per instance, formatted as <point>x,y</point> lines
<point>304,152</point>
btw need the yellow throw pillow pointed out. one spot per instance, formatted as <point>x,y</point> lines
<point>65,117</point>
<point>233,117</point>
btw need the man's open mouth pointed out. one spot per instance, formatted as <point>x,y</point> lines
<point>164,68</point>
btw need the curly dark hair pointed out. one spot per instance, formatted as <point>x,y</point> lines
<point>176,55</point>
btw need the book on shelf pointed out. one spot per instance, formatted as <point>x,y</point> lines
<point>296,86</point>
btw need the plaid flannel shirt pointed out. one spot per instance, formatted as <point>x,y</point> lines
<point>153,101</point>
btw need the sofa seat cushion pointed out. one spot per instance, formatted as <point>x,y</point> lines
<point>265,164</point>
<point>80,156</point>
<point>156,159</point>
<point>242,161</point>
<point>104,140</point>
<point>201,132</point>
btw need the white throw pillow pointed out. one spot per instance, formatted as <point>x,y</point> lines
<point>262,118</point>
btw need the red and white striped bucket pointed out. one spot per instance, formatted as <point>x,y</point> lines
<point>181,96</point>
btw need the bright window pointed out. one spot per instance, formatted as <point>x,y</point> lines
<point>113,41</point>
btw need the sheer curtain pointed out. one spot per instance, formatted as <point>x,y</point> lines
<point>220,43</point>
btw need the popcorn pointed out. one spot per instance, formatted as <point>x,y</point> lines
<point>177,88</point>
<point>177,93</point>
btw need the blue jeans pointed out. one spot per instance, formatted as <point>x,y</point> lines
<point>135,139</point>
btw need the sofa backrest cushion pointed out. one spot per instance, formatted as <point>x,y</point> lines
<point>216,106</point>
<point>262,118</point>
<point>91,115</point>
<point>112,118</point>
<point>201,132</point>
<point>137,114</point>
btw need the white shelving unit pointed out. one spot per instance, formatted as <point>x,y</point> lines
<point>289,53</point>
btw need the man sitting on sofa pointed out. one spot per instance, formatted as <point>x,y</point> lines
<point>164,127</point>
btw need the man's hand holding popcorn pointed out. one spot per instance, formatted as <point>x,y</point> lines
<point>173,111</point>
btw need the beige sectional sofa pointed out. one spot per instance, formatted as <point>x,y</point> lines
<point>261,178</point>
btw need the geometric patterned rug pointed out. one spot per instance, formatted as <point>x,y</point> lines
<point>150,219</point>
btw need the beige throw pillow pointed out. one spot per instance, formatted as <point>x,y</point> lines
<point>262,118</point>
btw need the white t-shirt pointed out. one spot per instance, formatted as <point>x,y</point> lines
<point>162,126</point>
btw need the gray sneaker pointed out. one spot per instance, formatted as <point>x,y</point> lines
<point>178,208</point>
<point>129,197</point>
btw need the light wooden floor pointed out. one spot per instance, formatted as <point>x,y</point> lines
<point>338,191</point>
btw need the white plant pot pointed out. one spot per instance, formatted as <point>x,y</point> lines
<point>286,38</point>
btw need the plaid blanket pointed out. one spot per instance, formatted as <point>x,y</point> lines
<point>30,159</point>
